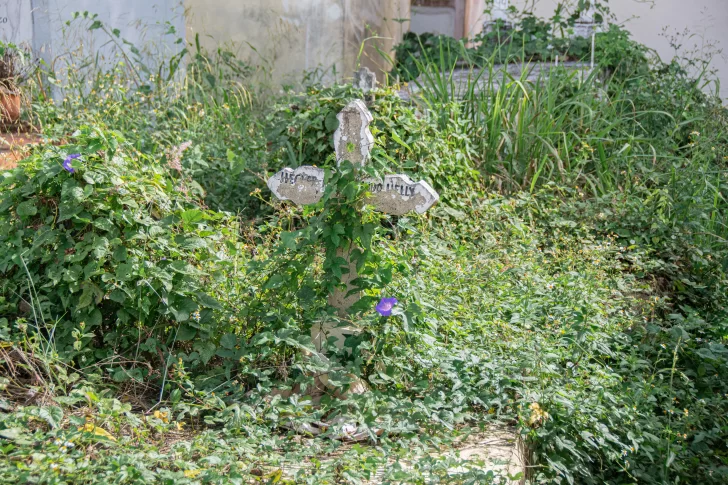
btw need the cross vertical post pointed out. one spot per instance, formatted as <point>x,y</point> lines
<point>395,194</point>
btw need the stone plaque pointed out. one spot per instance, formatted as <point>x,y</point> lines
<point>365,80</point>
<point>398,195</point>
<point>352,140</point>
<point>304,185</point>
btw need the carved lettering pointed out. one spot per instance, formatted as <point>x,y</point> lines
<point>304,186</point>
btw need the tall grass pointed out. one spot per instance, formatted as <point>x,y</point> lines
<point>584,128</point>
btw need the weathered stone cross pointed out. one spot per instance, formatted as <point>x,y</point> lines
<point>365,80</point>
<point>396,194</point>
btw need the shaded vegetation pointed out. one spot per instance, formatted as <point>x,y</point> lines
<point>571,282</point>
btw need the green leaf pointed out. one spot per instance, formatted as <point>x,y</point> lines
<point>124,271</point>
<point>274,282</point>
<point>120,375</point>
<point>193,242</point>
<point>182,309</point>
<point>396,138</point>
<point>76,195</point>
<point>186,333</point>
<point>237,164</point>
<point>229,341</point>
<point>289,240</point>
<point>175,396</point>
<point>208,301</point>
<point>120,254</point>
<point>706,354</point>
<point>104,224</point>
<point>87,297</point>
<point>206,349</point>
<point>11,433</point>
<point>26,209</point>
<point>331,123</point>
<point>53,415</point>
<point>192,216</point>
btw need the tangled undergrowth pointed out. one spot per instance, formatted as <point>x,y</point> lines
<point>155,302</point>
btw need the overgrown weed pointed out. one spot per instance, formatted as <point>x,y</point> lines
<point>528,295</point>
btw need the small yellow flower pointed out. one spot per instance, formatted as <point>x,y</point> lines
<point>192,473</point>
<point>686,412</point>
<point>162,416</point>
<point>89,427</point>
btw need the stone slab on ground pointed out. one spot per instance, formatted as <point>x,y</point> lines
<point>499,448</point>
<point>530,72</point>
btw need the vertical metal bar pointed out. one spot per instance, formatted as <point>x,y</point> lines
<point>593,47</point>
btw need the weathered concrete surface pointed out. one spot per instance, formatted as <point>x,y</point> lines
<point>352,140</point>
<point>461,80</point>
<point>365,80</point>
<point>303,186</point>
<point>290,36</point>
<point>499,448</point>
<point>398,195</point>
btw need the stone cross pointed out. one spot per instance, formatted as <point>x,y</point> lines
<point>586,25</point>
<point>500,9</point>
<point>396,194</point>
<point>303,186</point>
<point>365,80</point>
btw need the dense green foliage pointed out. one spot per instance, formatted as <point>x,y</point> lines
<point>155,303</point>
<point>529,40</point>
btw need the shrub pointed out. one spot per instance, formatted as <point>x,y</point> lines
<point>530,40</point>
<point>113,262</point>
<point>299,131</point>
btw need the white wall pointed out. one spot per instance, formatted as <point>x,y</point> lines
<point>41,25</point>
<point>290,36</point>
<point>706,21</point>
<point>16,22</point>
<point>141,22</point>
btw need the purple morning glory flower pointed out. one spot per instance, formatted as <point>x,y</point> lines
<point>67,162</point>
<point>384,307</point>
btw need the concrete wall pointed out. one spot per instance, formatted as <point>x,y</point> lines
<point>16,21</point>
<point>140,22</point>
<point>42,26</point>
<point>290,36</point>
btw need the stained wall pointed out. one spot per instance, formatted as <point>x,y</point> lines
<point>324,37</point>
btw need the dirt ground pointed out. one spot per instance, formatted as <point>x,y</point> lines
<point>13,147</point>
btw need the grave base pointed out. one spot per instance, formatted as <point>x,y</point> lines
<point>498,448</point>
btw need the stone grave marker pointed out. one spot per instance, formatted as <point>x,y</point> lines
<point>586,25</point>
<point>303,186</point>
<point>365,80</point>
<point>396,195</point>
<point>499,12</point>
<point>352,140</point>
